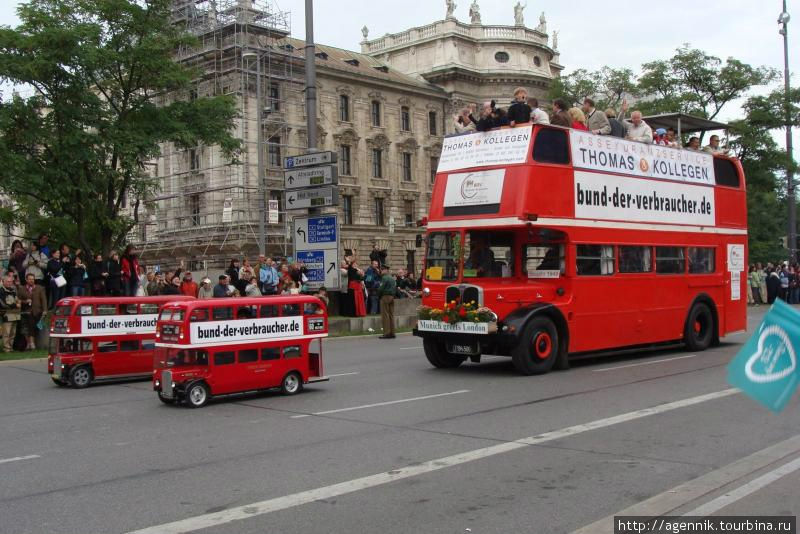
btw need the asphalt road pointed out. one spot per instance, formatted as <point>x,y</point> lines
<point>401,448</point>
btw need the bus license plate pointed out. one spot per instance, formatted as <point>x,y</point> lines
<point>461,348</point>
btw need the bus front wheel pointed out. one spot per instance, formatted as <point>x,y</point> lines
<point>440,358</point>
<point>80,376</point>
<point>698,333</point>
<point>197,395</point>
<point>537,350</point>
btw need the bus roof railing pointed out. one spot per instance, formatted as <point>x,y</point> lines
<point>683,123</point>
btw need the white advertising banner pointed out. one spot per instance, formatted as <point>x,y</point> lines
<point>108,325</point>
<point>618,198</point>
<point>474,188</point>
<point>458,328</point>
<point>482,149</point>
<point>215,332</point>
<point>612,154</point>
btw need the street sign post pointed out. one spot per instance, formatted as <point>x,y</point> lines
<point>309,160</point>
<point>311,177</point>
<point>312,198</point>
<point>316,242</point>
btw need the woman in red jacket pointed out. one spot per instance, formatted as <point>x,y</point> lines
<point>130,270</point>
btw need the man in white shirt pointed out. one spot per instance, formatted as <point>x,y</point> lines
<point>636,129</point>
<point>713,146</point>
<point>537,115</point>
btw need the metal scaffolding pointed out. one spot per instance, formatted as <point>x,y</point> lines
<point>206,207</point>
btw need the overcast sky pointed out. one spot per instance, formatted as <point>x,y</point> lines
<point>618,33</point>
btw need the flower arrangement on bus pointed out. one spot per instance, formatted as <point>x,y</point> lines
<point>457,316</point>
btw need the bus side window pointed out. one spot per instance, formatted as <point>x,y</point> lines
<point>269,311</point>
<point>129,345</point>
<point>85,345</point>
<point>701,260</point>
<point>199,316</point>
<point>148,309</point>
<point>291,309</point>
<point>107,346</point>
<point>670,260</point>
<point>129,309</point>
<point>595,260</point>
<point>148,344</point>
<point>292,351</point>
<point>224,358</point>
<point>221,314</point>
<point>246,312</point>
<point>85,309</point>
<point>271,353</point>
<point>106,309</point>
<point>550,146</point>
<point>248,355</point>
<point>725,173</point>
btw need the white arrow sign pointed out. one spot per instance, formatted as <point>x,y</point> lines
<point>311,177</point>
<point>312,198</point>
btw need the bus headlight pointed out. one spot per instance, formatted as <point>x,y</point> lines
<point>426,292</point>
<point>158,383</point>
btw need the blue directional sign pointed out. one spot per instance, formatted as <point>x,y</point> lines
<point>315,232</point>
<point>314,261</point>
<point>766,366</point>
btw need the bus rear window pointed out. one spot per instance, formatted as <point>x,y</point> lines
<point>551,147</point>
<point>440,261</point>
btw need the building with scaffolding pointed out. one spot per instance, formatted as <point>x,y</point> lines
<point>384,111</point>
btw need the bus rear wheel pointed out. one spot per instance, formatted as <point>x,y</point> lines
<point>537,350</point>
<point>197,395</point>
<point>698,333</point>
<point>292,384</point>
<point>439,357</point>
<point>80,376</point>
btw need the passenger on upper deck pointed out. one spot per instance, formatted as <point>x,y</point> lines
<point>617,128</point>
<point>596,122</point>
<point>713,146</point>
<point>519,111</point>
<point>636,129</point>
<point>463,121</point>
<point>693,144</point>
<point>577,119</point>
<point>560,117</point>
<point>538,116</point>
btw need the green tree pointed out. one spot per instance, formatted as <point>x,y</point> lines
<point>697,83</point>
<point>106,93</point>
<point>764,163</point>
<point>607,86</point>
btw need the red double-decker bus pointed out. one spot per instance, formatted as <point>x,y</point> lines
<point>208,348</point>
<point>573,243</point>
<point>98,338</point>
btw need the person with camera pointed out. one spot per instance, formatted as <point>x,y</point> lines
<point>33,305</point>
<point>10,312</point>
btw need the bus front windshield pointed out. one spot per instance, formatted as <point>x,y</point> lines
<point>440,261</point>
<point>489,254</point>
<point>63,345</point>
<point>187,358</point>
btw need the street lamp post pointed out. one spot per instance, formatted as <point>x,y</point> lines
<point>783,20</point>
<point>262,199</point>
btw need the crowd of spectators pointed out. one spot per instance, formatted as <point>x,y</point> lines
<point>770,282</point>
<point>524,109</point>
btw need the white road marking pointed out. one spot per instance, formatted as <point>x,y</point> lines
<point>643,363</point>
<point>387,403</point>
<point>746,489</point>
<point>344,374</point>
<point>326,492</point>
<point>19,458</point>
<point>417,347</point>
<point>667,502</point>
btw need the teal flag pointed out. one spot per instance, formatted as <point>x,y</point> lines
<point>766,366</point>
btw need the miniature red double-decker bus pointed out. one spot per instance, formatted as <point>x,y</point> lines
<point>208,348</point>
<point>99,338</point>
<point>543,242</point>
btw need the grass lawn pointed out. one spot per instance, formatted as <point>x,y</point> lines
<point>27,355</point>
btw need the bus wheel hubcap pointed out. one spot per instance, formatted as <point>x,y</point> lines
<point>81,376</point>
<point>542,345</point>
<point>291,383</point>
<point>198,395</point>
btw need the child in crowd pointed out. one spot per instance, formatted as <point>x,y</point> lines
<point>519,111</point>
